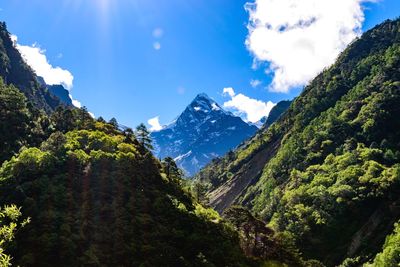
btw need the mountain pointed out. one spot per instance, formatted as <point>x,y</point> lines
<point>326,174</point>
<point>202,132</point>
<point>75,191</point>
<point>276,112</point>
<point>259,124</point>
<point>14,70</point>
<point>63,95</point>
<point>58,91</point>
<point>319,187</point>
<point>95,196</point>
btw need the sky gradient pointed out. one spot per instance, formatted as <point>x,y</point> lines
<point>138,59</point>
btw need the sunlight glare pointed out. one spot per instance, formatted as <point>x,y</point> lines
<point>104,5</point>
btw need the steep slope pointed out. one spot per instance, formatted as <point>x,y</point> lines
<point>14,70</point>
<point>276,112</point>
<point>202,132</point>
<point>390,255</point>
<point>58,91</point>
<point>327,172</point>
<point>63,95</point>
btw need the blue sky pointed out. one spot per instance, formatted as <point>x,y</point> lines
<point>138,59</point>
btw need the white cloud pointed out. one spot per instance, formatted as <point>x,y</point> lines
<point>252,109</point>
<point>75,102</point>
<point>158,33</point>
<point>157,45</point>
<point>155,124</point>
<point>36,58</point>
<point>300,38</point>
<point>255,83</point>
<point>228,91</point>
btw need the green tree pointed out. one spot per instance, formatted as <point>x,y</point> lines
<point>171,169</point>
<point>101,119</point>
<point>63,119</point>
<point>14,120</point>
<point>390,256</point>
<point>199,191</point>
<point>114,123</point>
<point>143,135</point>
<point>9,224</point>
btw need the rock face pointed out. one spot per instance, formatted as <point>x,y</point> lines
<point>62,93</point>
<point>15,71</point>
<point>58,91</point>
<point>202,132</point>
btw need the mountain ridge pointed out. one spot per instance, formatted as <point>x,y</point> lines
<point>57,90</point>
<point>203,123</point>
<point>14,70</point>
<point>297,174</point>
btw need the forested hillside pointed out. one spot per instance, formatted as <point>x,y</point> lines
<point>318,187</point>
<point>276,112</point>
<point>97,197</point>
<point>76,191</point>
<point>327,173</point>
<point>14,70</point>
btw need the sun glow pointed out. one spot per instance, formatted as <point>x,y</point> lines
<point>104,5</point>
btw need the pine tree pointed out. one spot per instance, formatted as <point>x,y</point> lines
<point>14,120</point>
<point>143,135</point>
<point>114,123</point>
<point>171,169</point>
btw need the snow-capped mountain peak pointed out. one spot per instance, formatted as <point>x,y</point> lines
<point>204,104</point>
<point>202,132</point>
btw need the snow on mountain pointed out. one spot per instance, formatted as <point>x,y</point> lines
<point>202,132</point>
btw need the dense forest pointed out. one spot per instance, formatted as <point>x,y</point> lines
<point>79,191</point>
<point>327,174</point>
<point>318,187</point>
<point>96,196</point>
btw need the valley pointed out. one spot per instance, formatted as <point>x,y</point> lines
<point>316,184</point>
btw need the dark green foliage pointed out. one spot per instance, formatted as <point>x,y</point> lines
<point>390,256</point>
<point>14,70</point>
<point>331,181</point>
<point>143,136</point>
<point>276,112</point>
<point>114,123</point>
<point>333,169</point>
<point>95,193</point>
<point>199,191</point>
<point>214,174</point>
<point>171,170</point>
<point>96,196</point>
<point>21,124</point>
<point>14,120</point>
<point>325,177</point>
<point>258,240</point>
<point>10,223</point>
